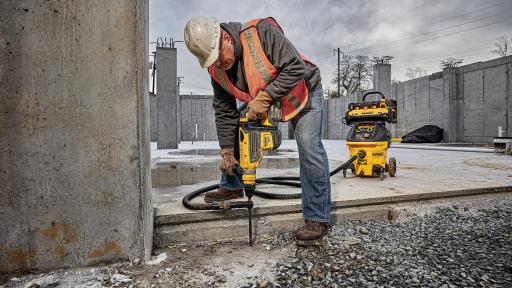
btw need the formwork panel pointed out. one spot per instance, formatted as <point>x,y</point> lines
<point>473,106</point>
<point>436,102</point>
<point>409,106</point>
<point>495,93</point>
<point>422,108</point>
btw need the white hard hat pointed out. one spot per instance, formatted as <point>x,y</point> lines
<point>202,37</point>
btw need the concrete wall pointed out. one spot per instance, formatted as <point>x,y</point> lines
<point>197,109</point>
<point>74,118</point>
<point>468,102</point>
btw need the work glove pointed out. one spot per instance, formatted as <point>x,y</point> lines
<point>229,165</point>
<point>259,106</point>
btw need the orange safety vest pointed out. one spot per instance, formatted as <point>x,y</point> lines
<point>260,72</point>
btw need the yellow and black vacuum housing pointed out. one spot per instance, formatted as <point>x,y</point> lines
<point>369,137</point>
<point>382,110</point>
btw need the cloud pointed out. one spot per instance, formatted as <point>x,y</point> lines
<point>399,28</point>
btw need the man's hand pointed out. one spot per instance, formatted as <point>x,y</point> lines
<point>229,165</point>
<point>259,106</point>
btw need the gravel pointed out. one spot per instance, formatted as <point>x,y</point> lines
<point>447,246</point>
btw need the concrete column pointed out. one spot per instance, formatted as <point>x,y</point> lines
<point>382,83</point>
<point>74,154</point>
<point>167,98</point>
<point>450,106</point>
<point>382,79</point>
<point>153,117</point>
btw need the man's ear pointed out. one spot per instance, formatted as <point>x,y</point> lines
<point>225,35</point>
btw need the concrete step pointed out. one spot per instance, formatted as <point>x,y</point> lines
<point>237,228</point>
<point>206,226</point>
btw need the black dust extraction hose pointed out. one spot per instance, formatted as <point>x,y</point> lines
<point>277,180</point>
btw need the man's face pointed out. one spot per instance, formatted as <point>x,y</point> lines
<point>226,53</point>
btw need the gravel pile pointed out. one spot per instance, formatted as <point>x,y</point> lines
<point>451,246</point>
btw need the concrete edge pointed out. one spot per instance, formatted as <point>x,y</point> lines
<point>205,216</point>
<point>232,230</point>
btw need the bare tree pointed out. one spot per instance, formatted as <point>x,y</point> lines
<point>415,72</point>
<point>382,60</point>
<point>503,46</point>
<point>451,62</point>
<point>355,74</point>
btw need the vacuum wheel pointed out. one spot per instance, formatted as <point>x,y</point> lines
<point>352,168</point>
<point>392,167</point>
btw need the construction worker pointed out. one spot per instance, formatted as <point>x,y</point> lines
<point>255,63</point>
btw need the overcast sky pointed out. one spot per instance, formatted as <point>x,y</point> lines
<point>416,33</point>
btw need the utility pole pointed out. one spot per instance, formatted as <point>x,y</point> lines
<point>338,51</point>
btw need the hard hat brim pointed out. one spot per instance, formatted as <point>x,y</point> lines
<point>215,52</point>
<point>211,59</point>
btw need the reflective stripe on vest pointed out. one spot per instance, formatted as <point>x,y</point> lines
<point>259,72</point>
<point>222,79</point>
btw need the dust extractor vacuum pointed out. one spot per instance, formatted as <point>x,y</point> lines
<point>368,137</point>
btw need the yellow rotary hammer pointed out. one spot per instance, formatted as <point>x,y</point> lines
<point>255,137</point>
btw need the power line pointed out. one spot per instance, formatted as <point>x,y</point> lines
<point>466,55</point>
<point>438,22</point>
<point>433,60</point>
<point>418,36</point>
<point>332,61</point>
<point>401,64</point>
<point>441,36</point>
<point>321,60</point>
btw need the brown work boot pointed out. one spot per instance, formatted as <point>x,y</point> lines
<point>311,233</point>
<point>223,195</point>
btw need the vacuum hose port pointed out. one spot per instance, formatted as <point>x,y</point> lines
<point>361,154</point>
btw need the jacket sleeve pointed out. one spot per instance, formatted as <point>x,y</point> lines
<point>226,116</point>
<point>284,57</point>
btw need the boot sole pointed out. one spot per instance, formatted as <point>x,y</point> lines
<point>210,200</point>
<point>304,243</point>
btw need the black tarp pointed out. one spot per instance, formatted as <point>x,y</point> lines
<point>425,134</point>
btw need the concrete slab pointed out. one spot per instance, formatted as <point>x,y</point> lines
<point>422,174</point>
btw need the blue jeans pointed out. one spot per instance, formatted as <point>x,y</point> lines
<point>314,166</point>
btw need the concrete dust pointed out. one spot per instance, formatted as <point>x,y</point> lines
<point>484,163</point>
<point>218,264</point>
<point>409,167</point>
